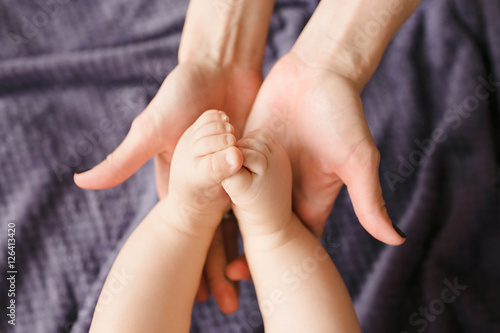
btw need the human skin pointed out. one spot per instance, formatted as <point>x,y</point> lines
<point>313,94</point>
<point>164,256</point>
<point>322,127</point>
<point>311,101</point>
<point>220,62</point>
<point>161,287</point>
<point>297,285</point>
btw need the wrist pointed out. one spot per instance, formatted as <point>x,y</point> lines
<point>227,33</point>
<point>349,38</point>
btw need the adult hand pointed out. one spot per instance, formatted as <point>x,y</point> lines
<point>311,99</point>
<point>318,117</point>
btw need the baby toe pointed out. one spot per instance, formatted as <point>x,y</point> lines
<point>216,167</point>
<point>209,117</point>
<point>212,144</point>
<point>265,136</point>
<point>213,128</point>
<point>253,143</point>
<point>254,161</point>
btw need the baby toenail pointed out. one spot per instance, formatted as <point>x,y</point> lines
<point>224,116</point>
<point>230,160</point>
<point>227,127</point>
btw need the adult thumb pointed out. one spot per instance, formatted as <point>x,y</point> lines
<point>363,185</point>
<point>140,144</point>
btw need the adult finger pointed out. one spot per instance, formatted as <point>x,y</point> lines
<point>203,293</point>
<point>238,269</point>
<point>224,291</point>
<point>140,144</point>
<point>230,233</point>
<point>363,184</point>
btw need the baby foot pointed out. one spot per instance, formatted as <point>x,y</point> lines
<point>261,191</point>
<point>205,155</point>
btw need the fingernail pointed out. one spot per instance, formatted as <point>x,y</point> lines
<point>400,233</point>
<point>230,160</point>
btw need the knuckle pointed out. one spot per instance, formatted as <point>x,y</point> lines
<point>147,125</point>
<point>142,121</point>
<point>215,278</point>
<point>111,159</point>
<point>374,210</point>
<point>137,124</point>
<point>366,155</point>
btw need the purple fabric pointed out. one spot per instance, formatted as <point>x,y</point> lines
<point>73,74</point>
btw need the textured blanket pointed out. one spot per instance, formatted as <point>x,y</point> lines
<point>73,75</point>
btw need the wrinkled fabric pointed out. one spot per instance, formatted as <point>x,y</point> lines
<point>74,73</point>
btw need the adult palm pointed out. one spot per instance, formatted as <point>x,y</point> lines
<point>318,117</point>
